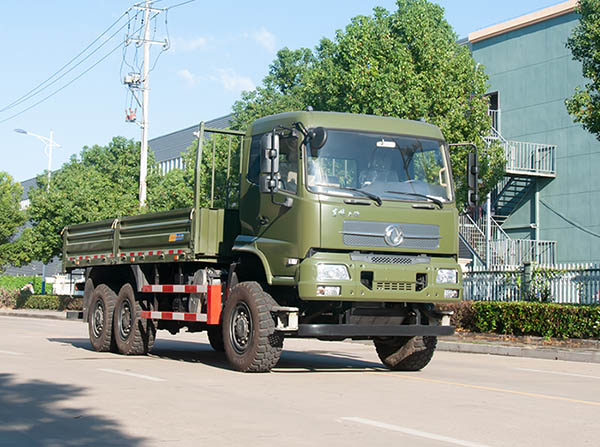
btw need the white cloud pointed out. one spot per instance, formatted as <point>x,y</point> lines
<point>189,77</point>
<point>265,38</point>
<point>187,45</point>
<point>227,77</point>
<point>233,81</point>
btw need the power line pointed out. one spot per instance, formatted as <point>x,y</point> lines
<point>180,4</point>
<point>67,84</point>
<point>69,70</point>
<point>63,87</point>
<point>28,95</point>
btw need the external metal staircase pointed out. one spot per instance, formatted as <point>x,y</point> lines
<point>526,163</point>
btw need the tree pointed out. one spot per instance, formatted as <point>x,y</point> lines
<point>176,188</point>
<point>11,215</point>
<point>405,64</point>
<point>101,183</point>
<point>282,89</point>
<point>584,44</point>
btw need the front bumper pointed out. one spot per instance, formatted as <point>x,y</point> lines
<point>385,278</point>
<point>367,331</point>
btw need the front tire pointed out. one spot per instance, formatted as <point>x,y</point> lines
<point>251,343</point>
<point>215,338</point>
<point>100,323</point>
<point>133,334</point>
<point>406,353</point>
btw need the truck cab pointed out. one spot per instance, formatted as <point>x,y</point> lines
<point>366,214</point>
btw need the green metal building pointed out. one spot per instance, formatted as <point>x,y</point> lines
<point>545,208</point>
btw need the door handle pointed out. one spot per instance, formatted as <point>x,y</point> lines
<point>262,220</point>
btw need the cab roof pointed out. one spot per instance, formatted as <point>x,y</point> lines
<point>350,121</point>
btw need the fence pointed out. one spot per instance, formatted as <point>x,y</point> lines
<point>558,283</point>
<point>529,157</point>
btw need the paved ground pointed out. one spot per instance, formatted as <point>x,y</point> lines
<point>56,391</point>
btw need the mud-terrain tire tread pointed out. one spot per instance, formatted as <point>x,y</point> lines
<point>141,337</point>
<point>215,338</point>
<point>105,342</point>
<point>406,353</point>
<point>87,297</point>
<point>267,344</point>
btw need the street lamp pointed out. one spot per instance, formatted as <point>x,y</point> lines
<point>49,145</point>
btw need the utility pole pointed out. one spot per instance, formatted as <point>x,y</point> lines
<point>50,144</point>
<point>133,82</point>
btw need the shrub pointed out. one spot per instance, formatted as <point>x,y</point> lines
<point>17,282</point>
<point>528,318</point>
<point>463,314</point>
<point>45,302</point>
<point>68,303</point>
<point>8,298</point>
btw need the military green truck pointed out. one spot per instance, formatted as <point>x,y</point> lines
<point>342,226</point>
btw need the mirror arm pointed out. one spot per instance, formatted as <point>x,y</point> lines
<point>287,202</point>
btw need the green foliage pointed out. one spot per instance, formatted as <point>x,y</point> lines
<point>539,287</point>
<point>282,89</point>
<point>528,318</point>
<point>175,190</point>
<point>101,183</point>
<point>584,44</point>
<point>17,282</point>
<point>11,215</point>
<point>405,64</point>
<point>42,302</point>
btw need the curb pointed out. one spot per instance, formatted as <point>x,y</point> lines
<point>520,351</point>
<point>73,315</point>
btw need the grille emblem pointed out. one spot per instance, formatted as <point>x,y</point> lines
<point>393,235</point>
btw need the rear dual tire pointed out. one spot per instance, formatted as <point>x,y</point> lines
<point>115,323</point>
<point>133,334</point>
<point>100,318</point>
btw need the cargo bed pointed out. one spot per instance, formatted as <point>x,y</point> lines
<point>178,235</point>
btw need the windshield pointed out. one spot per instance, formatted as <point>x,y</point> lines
<point>391,167</point>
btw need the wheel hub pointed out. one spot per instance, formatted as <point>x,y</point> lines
<point>98,319</point>
<point>241,327</point>
<point>125,320</point>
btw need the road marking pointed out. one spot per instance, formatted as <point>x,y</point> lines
<point>556,373</point>
<point>11,353</point>
<point>412,432</point>
<point>498,390</point>
<point>125,373</point>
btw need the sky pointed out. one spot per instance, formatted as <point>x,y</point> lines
<point>217,50</point>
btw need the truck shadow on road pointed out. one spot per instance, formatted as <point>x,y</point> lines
<point>291,361</point>
<point>31,414</point>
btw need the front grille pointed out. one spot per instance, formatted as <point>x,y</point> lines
<point>371,234</point>
<point>389,259</point>
<point>393,286</point>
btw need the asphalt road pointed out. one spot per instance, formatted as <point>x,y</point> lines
<point>56,391</point>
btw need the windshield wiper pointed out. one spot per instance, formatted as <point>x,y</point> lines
<point>371,196</point>
<point>434,199</point>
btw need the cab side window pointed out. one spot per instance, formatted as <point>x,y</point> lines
<point>288,163</point>
<point>254,160</point>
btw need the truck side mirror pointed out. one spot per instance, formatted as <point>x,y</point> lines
<point>472,179</point>
<point>269,163</point>
<point>318,138</point>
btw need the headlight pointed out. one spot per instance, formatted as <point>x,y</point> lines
<point>446,276</point>
<point>332,271</point>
